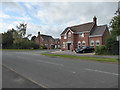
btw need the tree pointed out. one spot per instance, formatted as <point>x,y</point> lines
<point>115,24</point>
<point>111,42</point>
<point>7,39</point>
<point>17,38</point>
<point>21,30</point>
<point>112,45</point>
<point>19,33</point>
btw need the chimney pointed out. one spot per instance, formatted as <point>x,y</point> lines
<point>38,33</point>
<point>39,38</point>
<point>95,20</point>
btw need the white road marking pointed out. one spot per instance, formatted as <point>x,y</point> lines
<point>73,72</point>
<point>51,63</point>
<point>101,71</point>
<point>41,85</point>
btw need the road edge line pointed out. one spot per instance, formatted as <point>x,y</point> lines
<point>43,86</point>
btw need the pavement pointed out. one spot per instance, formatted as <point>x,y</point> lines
<point>68,52</point>
<point>11,79</point>
<point>55,72</point>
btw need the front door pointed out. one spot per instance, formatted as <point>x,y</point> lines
<point>69,46</point>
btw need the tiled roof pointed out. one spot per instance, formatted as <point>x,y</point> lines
<point>99,30</point>
<point>80,28</point>
<point>47,37</point>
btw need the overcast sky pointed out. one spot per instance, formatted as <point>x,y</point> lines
<point>52,18</point>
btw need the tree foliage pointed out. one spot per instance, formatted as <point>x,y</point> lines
<point>17,38</point>
<point>7,39</point>
<point>112,45</point>
<point>115,24</point>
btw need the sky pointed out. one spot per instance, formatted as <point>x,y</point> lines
<point>51,18</point>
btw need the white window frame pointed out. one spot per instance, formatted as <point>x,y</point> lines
<point>79,44</point>
<point>98,41</point>
<point>69,35</point>
<point>83,42</point>
<point>92,43</point>
<point>65,37</point>
<point>81,34</point>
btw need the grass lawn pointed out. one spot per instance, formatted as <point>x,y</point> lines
<point>83,57</point>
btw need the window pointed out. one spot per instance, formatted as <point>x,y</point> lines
<point>79,44</point>
<point>81,34</point>
<point>83,43</point>
<point>64,44</point>
<point>91,43</point>
<point>65,37</point>
<point>69,34</point>
<point>97,43</point>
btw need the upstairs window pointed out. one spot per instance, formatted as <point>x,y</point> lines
<point>69,35</point>
<point>81,34</point>
<point>65,36</point>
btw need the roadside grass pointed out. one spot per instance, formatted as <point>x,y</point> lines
<point>83,57</point>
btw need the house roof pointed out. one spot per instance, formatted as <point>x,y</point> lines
<point>80,28</point>
<point>99,30</point>
<point>46,37</point>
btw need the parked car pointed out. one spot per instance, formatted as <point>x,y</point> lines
<point>84,50</point>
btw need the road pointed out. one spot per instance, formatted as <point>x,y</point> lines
<point>55,72</point>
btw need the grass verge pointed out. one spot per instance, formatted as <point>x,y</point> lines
<point>83,57</point>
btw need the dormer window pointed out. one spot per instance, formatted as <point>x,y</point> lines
<point>81,34</point>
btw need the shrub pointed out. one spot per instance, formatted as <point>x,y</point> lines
<point>101,50</point>
<point>112,45</point>
<point>43,47</point>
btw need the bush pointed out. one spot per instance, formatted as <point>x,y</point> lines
<point>25,44</point>
<point>112,45</point>
<point>101,50</point>
<point>33,45</point>
<point>43,47</point>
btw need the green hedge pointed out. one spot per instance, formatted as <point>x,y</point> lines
<point>101,50</point>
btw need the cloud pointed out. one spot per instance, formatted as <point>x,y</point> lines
<point>64,13</point>
<point>53,17</point>
<point>3,15</point>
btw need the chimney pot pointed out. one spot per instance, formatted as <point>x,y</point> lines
<point>38,33</point>
<point>95,20</point>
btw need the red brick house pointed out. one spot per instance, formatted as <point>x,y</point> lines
<point>45,40</point>
<point>57,43</point>
<point>48,41</point>
<point>88,34</point>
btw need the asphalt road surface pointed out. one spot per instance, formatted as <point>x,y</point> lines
<point>55,72</point>
<point>13,80</point>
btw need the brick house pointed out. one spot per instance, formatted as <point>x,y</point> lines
<point>57,43</point>
<point>48,41</point>
<point>45,40</point>
<point>88,34</point>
